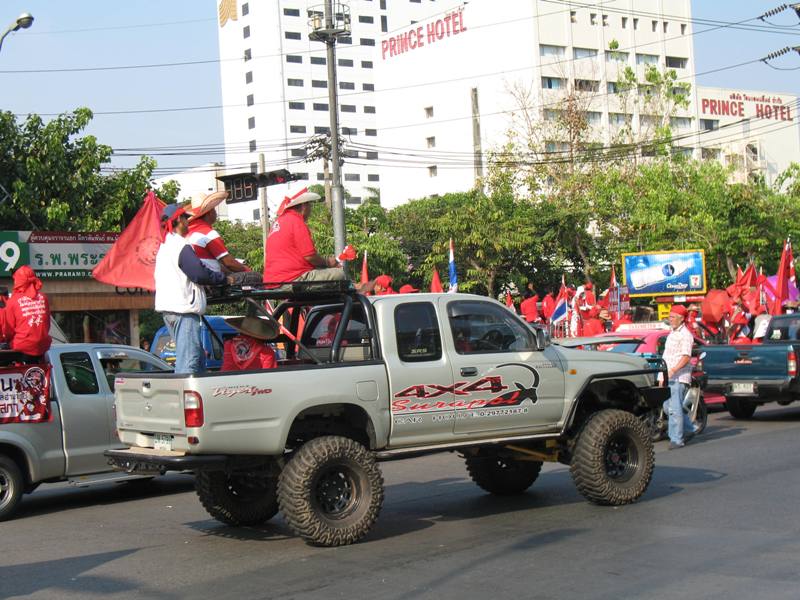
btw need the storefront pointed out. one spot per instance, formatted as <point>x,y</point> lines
<point>85,309</point>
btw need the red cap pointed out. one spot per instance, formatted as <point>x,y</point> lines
<point>383,280</point>
<point>587,285</point>
<point>408,289</point>
<point>678,309</point>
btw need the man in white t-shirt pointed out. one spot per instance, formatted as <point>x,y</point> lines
<point>678,356</point>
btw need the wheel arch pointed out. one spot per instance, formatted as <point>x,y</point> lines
<point>22,457</point>
<point>600,394</point>
<point>341,418</point>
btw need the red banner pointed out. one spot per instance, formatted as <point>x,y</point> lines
<point>25,394</point>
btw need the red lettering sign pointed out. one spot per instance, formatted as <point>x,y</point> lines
<point>450,25</point>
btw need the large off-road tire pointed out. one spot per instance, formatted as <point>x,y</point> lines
<point>613,459</point>
<point>740,408</point>
<point>502,476</point>
<point>12,486</point>
<point>331,491</point>
<point>237,498</point>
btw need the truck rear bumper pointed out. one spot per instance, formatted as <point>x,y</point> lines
<point>147,460</point>
<point>767,389</point>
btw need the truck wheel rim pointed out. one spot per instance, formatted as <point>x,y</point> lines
<point>336,492</point>
<point>621,458</point>
<point>6,489</point>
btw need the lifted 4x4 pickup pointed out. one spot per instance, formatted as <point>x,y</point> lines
<point>387,377</point>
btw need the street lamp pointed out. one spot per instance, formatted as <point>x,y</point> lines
<point>23,21</point>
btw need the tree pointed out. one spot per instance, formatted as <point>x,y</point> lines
<point>54,177</point>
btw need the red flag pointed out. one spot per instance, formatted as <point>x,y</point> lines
<point>436,283</point>
<point>509,300</point>
<point>785,271</point>
<point>364,270</point>
<point>131,261</point>
<point>749,278</point>
<point>738,273</point>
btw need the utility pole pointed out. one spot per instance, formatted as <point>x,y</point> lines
<point>264,212</point>
<point>334,23</point>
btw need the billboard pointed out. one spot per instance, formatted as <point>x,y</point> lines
<point>54,255</point>
<point>664,273</point>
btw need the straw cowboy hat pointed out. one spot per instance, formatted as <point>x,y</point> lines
<point>203,203</point>
<point>255,327</point>
<point>303,198</point>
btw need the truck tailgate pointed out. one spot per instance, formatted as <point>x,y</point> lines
<point>746,363</point>
<point>150,405</point>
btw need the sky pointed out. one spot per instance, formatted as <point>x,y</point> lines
<point>96,34</point>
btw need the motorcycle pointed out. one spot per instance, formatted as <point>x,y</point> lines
<point>693,404</point>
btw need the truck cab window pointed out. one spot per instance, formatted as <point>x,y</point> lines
<point>320,330</point>
<point>417,330</point>
<point>79,373</point>
<point>481,327</point>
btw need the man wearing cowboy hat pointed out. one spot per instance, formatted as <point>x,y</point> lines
<point>180,298</point>
<point>290,252</point>
<point>248,350</point>
<point>205,240</point>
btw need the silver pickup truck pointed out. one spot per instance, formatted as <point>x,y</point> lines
<point>63,436</point>
<point>379,378</point>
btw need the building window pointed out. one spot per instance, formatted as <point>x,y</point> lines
<point>605,20</point>
<point>370,110</point>
<point>646,59</point>
<point>294,82</point>
<point>365,19</point>
<point>619,119</point>
<point>301,176</point>
<point>371,132</point>
<point>383,4</point>
<point>709,124</point>
<point>245,9</point>
<point>592,18</point>
<point>347,85</point>
<point>320,176</point>
<point>587,85</point>
<point>248,54</point>
<point>348,108</point>
<point>250,100</point>
<point>320,106</point>
<point>318,60</point>
<point>351,153</point>
<point>428,112</point>
<point>297,105</point>
<point>573,16</point>
<point>248,77</point>
<point>353,200</point>
<point>616,56</point>
<point>612,87</point>
<point>624,22</point>
<point>367,42</point>
<point>665,25</point>
<point>318,83</point>
<point>298,152</point>
<point>291,12</point>
<point>322,130</point>
<point>254,167</point>
<point>433,171</point>
<point>256,214</point>
<point>384,24</point>
<point>352,177</point>
<point>297,128</point>
<point>683,28</point>
<point>251,123</point>
<point>368,87</point>
<point>366,64</point>
<point>431,141</point>
<point>593,118</point>
<point>246,31</point>
<point>372,155</point>
<point>584,53</point>
<point>546,50</point>
<point>346,39</point>
<point>635,23</point>
<point>675,62</point>
<point>349,131</point>
<point>343,62</point>
<point>292,35</point>
<point>710,153</point>
<point>680,122</point>
<point>654,25</point>
<point>373,177</point>
<point>252,145</point>
<point>293,58</point>
<point>553,83</point>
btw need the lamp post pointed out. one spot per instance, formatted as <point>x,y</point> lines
<point>23,21</point>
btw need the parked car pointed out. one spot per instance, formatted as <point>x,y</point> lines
<point>163,345</point>
<point>750,375</point>
<point>61,436</point>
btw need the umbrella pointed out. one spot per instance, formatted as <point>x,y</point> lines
<point>715,306</point>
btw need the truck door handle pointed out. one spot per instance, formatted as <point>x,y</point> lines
<point>469,371</point>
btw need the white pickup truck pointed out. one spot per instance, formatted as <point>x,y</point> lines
<point>387,377</point>
<point>57,429</point>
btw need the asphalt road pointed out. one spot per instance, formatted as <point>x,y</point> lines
<point>720,520</point>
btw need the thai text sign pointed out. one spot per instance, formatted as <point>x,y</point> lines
<point>664,273</point>
<point>25,394</point>
<point>64,255</point>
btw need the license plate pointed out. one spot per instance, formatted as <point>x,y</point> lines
<point>162,441</point>
<point>743,388</point>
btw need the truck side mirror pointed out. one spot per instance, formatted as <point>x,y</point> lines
<point>542,339</point>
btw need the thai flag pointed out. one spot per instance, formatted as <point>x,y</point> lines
<point>562,304</point>
<point>452,269</point>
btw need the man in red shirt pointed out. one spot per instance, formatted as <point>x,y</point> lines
<point>248,350</point>
<point>27,316</point>
<point>207,243</point>
<point>529,308</point>
<point>383,286</point>
<point>290,252</point>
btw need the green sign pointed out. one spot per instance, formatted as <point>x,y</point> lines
<point>13,253</point>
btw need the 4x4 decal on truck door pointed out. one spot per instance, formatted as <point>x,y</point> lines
<point>403,400</point>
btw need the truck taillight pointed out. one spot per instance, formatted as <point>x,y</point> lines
<point>192,409</point>
<point>792,363</point>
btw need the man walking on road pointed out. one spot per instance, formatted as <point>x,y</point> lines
<point>677,355</point>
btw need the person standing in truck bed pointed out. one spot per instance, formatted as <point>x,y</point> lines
<point>26,319</point>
